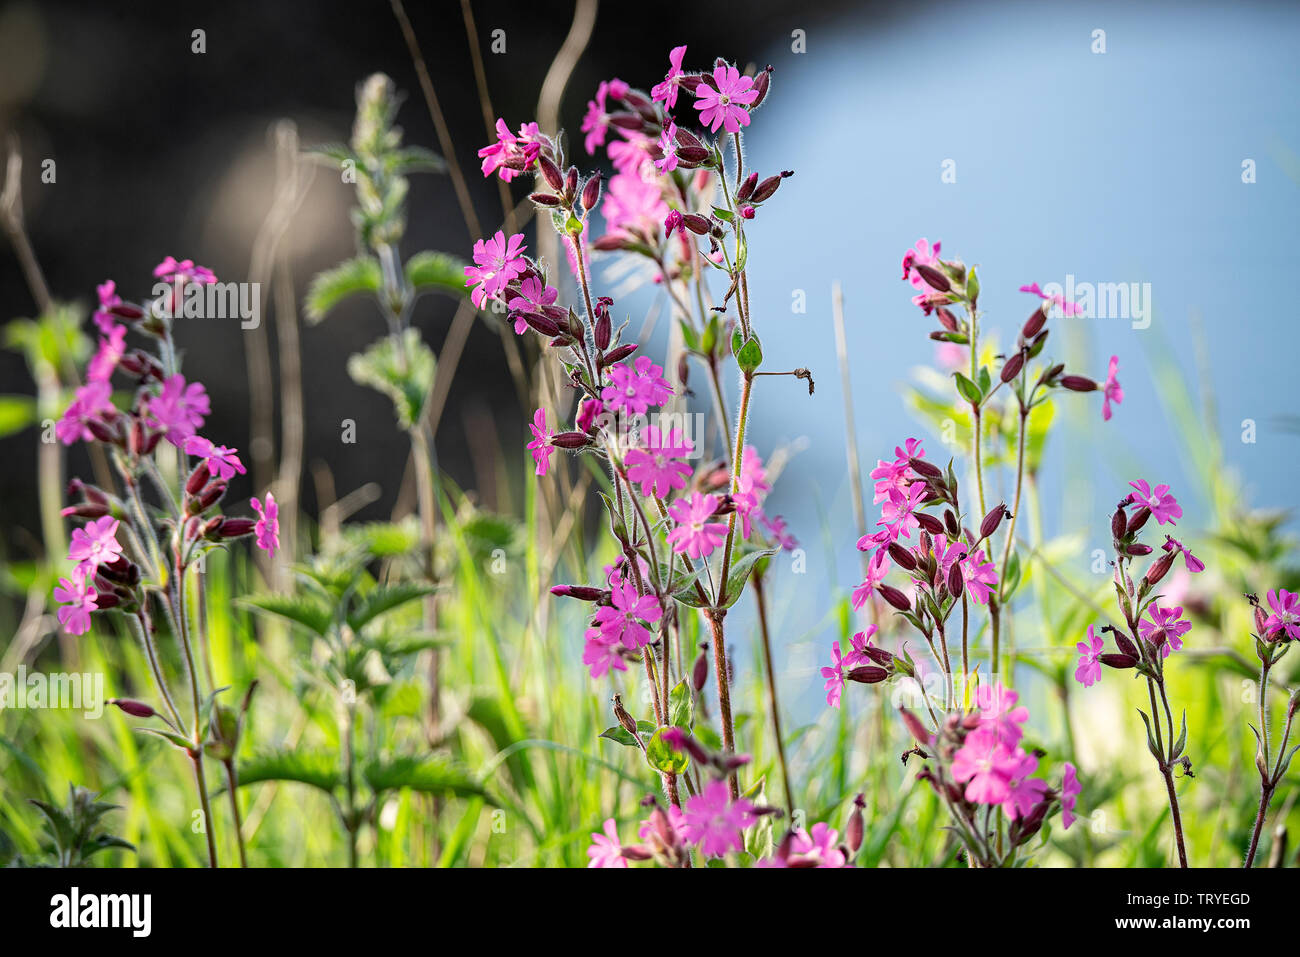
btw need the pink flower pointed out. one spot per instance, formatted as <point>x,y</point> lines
<point>79,598</point>
<point>722,102</point>
<point>1193,564</point>
<point>999,712</point>
<point>533,298</point>
<point>221,461</point>
<point>596,123</point>
<point>775,526</point>
<point>653,466</point>
<point>95,545</point>
<point>877,568</point>
<point>1067,308</point>
<point>861,642</point>
<point>496,262</point>
<point>601,654</point>
<point>715,823</point>
<point>1089,671</point>
<point>751,468</point>
<point>179,409</point>
<point>605,850</point>
<point>981,577</point>
<point>1112,390</point>
<point>667,140</point>
<point>621,619</point>
<point>90,401</point>
<point>1024,791</point>
<point>110,353</point>
<point>588,411</point>
<point>507,148</point>
<point>169,270</point>
<point>695,534</point>
<point>633,205</point>
<point>1160,503</point>
<point>922,254</point>
<point>822,846</point>
<point>745,499</point>
<point>267,527</point>
<point>540,446</point>
<point>1070,788</point>
<point>898,516</point>
<point>1286,613</point>
<point>1165,628</point>
<point>987,763</point>
<point>108,298</point>
<point>636,388</point>
<point>666,91</point>
<point>834,676</point>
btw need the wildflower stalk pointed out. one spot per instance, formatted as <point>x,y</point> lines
<point>760,599</point>
<point>1270,771</point>
<point>196,753</point>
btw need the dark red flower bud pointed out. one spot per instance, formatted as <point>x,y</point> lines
<point>137,709</point>
<point>929,522</point>
<point>1159,568</point>
<point>1117,661</point>
<point>591,193</point>
<point>580,592</point>
<point>1118,523</point>
<point>993,519</point>
<point>107,600</point>
<point>551,173</point>
<point>611,242</point>
<point>691,155</point>
<point>1260,619</point>
<point>237,527</point>
<point>1137,550</point>
<point>894,597</point>
<point>198,478</point>
<point>1125,644</point>
<point>1138,520</point>
<point>627,121</point>
<point>867,674</point>
<point>696,223</point>
<point>924,468</point>
<point>747,188</point>
<point>85,510</point>
<point>1013,366</point>
<point>1034,323</point>
<point>902,556</point>
<point>1077,383</point>
<point>915,726</point>
<point>210,496</point>
<point>956,584</point>
<point>934,278</point>
<point>570,440</point>
<point>700,670</point>
<point>766,189</point>
<point>950,523</point>
<point>604,329</point>
<point>856,828</point>
<point>617,355</point>
<point>545,199</point>
<point>541,324</point>
<point>762,83</point>
<point>879,655</point>
<point>103,431</point>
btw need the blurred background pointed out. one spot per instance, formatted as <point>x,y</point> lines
<point>1154,145</point>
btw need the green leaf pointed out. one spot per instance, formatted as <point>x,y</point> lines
<point>620,735</point>
<point>17,412</point>
<point>1151,738</point>
<point>315,768</point>
<point>690,338</point>
<point>681,706</point>
<point>179,740</point>
<point>431,774</point>
<point>748,352</point>
<point>1177,751</point>
<point>349,278</point>
<point>435,272</point>
<point>401,368</point>
<point>662,756</point>
<point>968,390</point>
<point>739,573</point>
<point>301,609</point>
<point>1012,582</point>
<point>384,598</point>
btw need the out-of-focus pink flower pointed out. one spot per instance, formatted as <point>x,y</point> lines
<point>267,527</point>
<point>834,675</point>
<point>605,850</point>
<point>496,262</point>
<point>622,618</point>
<point>1164,628</point>
<point>722,102</point>
<point>179,409</point>
<point>90,401</point>
<point>108,298</point>
<point>633,206</point>
<point>715,821</point>
<point>601,654</point>
<point>221,461</point>
<point>1161,504</point>
<point>775,527</point>
<point>922,254</point>
<point>1000,713</point>
<point>666,91</point>
<point>695,534</point>
<point>821,846</point>
<point>1070,788</point>
<point>751,467</point>
<point>877,568</point>
<point>540,446</point>
<point>1286,613</point>
<point>169,270</point>
<point>111,350</point>
<point>985,763</point>
<point>1112,390</point>
<point>78,596</point>
<point>1088,672</point>
<point>95,545</point>
<point>596,122</point>
<point>654,466</point>
<point>1067,308</point>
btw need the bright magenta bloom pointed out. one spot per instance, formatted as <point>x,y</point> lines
<point>222,462</point>
<point>653,466</point>
<point>695,534</point>
<point>1089,671</point>
<point>1024,791</point>
<point>1067,308</point>
<point>722,103</point>
<point>523,147</point>
<point>605,850</point>
<point>79,598</point>
<point>588,411</point>
<point>1112,391</point>
<point>619,619</point>
<point>601,654</point>
<point>999,713</point>
<point>1161,504</point>
<point>877,569</point>
<point>667,90</point>
<point>636,388</point>
<point>540,446</point>
<point>633,205</point>
<point>179,409</point>
<point>496,262</point>
<point>267,527</point>
<point>667,145</point>
<point>533,298</point>
<point>1165,628</point>
<point>714,822</point>
<point>981,577</point>
<point>95,545</point>
<point>1070,788</point>
<point>1194,564</point>
<point>987,763</point>
<point>108,298</point>
<point>1286,613</point>
<point>596,123</point>
<point>834,676</point>
<point>110,353</point>
<point>90,401</point>
<point>861,642</point>
<point>898,516</point>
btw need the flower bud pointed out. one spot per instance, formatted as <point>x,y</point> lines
<point>762,83</point>
<point>137,709</point>
<point>929,522</point>
<point>617,355</point>
<point>545,199</point>
<point>894,597</point>
<point>1138,520</point>
<point>993,519</point>
<point>237,527</point>
<point>696,223</point>
<point>925,469</point>
<point>1077,383</point>
<point>1260,619</point>
<point>84,510</point>
<point>1118,524</point>
<point>950,523</point>
<point>766,189</point>
<point>867,674</point>
<point>570,440</point>
<point>700,670</point>
<point>956,584</point>
<point>1013,366</point>
<point>746,189</point>
<point>1117,661</point>
<point>591,193</point>
<point>902,556</point>
<point>934,278</point>
<point>603,331</point>
<point>915,726</point>
<point>1137,550</point>
<point>624,719</point>
<point>1159,568</point>
<point>580,592</point>
<point>1034,323</point>
<point>1125,644</point>
<point>198,478</point>
<point>551,173</point>
<point>541,324</point>
<point>854,831</point>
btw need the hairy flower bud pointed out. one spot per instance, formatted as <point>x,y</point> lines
<point>580,592</point>
<point>1138,520</point>
<point>902,557</point>
<point>198,478</point>
<point>551,173</point>
<point>237,527</point>
<point>1118,661</point>
<point>603,331</point>
<point>746,189</point>
<point>956,583</point>
<point>762,83</point>
<point>768,187</point>
<point>1077,383</point>
<point>894,597</point>
<point>591,193</point>
<point>915,726</point>
<point>625,720</point>
<point>700,670</point>
<point>617,355</point>
<point>867,674</point>
<point>137,709</point>
<point>993,519</point>
<point>1159,568</point>
<point>545,199</point>
<point>934,278</point>
<point>925,469</point>
<point>929,522</point>
<point>1013,366</point>
<point>696,223</point>
<point>1118,524</point>
<point>570,440</point>
<point>1034,324</point>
